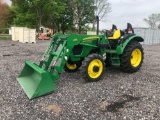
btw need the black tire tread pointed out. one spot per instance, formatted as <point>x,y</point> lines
<point>125,57</point>
<point>84,68</point>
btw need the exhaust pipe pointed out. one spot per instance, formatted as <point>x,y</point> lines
<point>97,19</point>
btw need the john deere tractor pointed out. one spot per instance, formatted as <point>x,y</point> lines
<point>92,53</point>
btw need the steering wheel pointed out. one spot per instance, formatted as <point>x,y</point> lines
<point>107,32</point>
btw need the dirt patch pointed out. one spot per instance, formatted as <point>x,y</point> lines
<point>54,108</point>
<point>115,106</point>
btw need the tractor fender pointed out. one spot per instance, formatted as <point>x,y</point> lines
<point>124,42</point>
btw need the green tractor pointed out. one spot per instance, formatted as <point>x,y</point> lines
<point>92,53</point>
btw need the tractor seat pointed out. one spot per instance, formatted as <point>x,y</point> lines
<point>116,35</point>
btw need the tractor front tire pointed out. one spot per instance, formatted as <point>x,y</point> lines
<point>92,68</point>
<point>132,57</point>
<point>72,66</point>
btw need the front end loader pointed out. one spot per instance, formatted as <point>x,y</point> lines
<point>90,52</point>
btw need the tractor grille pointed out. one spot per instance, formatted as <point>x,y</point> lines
<point>77,50</point>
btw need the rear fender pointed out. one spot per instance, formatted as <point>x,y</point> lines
<point>125,42</point>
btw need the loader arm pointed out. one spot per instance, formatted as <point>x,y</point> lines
<point>38,80</point>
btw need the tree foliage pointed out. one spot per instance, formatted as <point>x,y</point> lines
<point>24,16</point>
<point>153,20</point>
<point>6,16</point>
<point>103,7</point>
<point>83,12</point>
<point>61,15</point>
<point>35,13</point>
<point>30,13</point>
<point>66,18</point>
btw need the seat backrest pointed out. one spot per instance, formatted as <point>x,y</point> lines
<point>129,28</point>
<point>117,34</point>
<point>114,27</point>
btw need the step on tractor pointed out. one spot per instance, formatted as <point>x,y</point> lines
<point>92,53</point>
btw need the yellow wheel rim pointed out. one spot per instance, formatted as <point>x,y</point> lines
<point>95,64</point>
<point>71,66</point>
<point>136,57</point>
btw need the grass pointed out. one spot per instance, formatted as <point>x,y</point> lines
<point>5,37</point>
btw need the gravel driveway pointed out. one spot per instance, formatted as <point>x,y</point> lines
<point>118,96</point>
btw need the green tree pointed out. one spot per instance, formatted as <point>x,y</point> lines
<point>103,7</point>
<point>24,16</point>
<point>66,18</point>
<point>6,16</point>
<point>153,20</point>
<point>54,15</point>
<point>83,12</point>
<point>31,12</point>
<point>46,10</point>
<point>58,14</point>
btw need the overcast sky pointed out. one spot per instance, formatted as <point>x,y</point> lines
<point>133,11</point>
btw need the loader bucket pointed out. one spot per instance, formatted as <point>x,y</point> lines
<point>35,81</point>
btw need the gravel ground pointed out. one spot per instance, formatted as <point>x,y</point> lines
<point>118,96</point>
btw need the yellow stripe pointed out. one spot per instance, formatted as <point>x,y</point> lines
<point>91,38</point>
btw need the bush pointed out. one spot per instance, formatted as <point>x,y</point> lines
<point>5,37</point>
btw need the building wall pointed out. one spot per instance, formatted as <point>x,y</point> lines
<point>151,36</point>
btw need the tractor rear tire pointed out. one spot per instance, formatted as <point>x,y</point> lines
<point>92,68</point>
<point>72,66</point>
<point>132,57</point>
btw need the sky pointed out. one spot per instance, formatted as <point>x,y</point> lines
<point>124,11</point>
<point>132,11</point>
